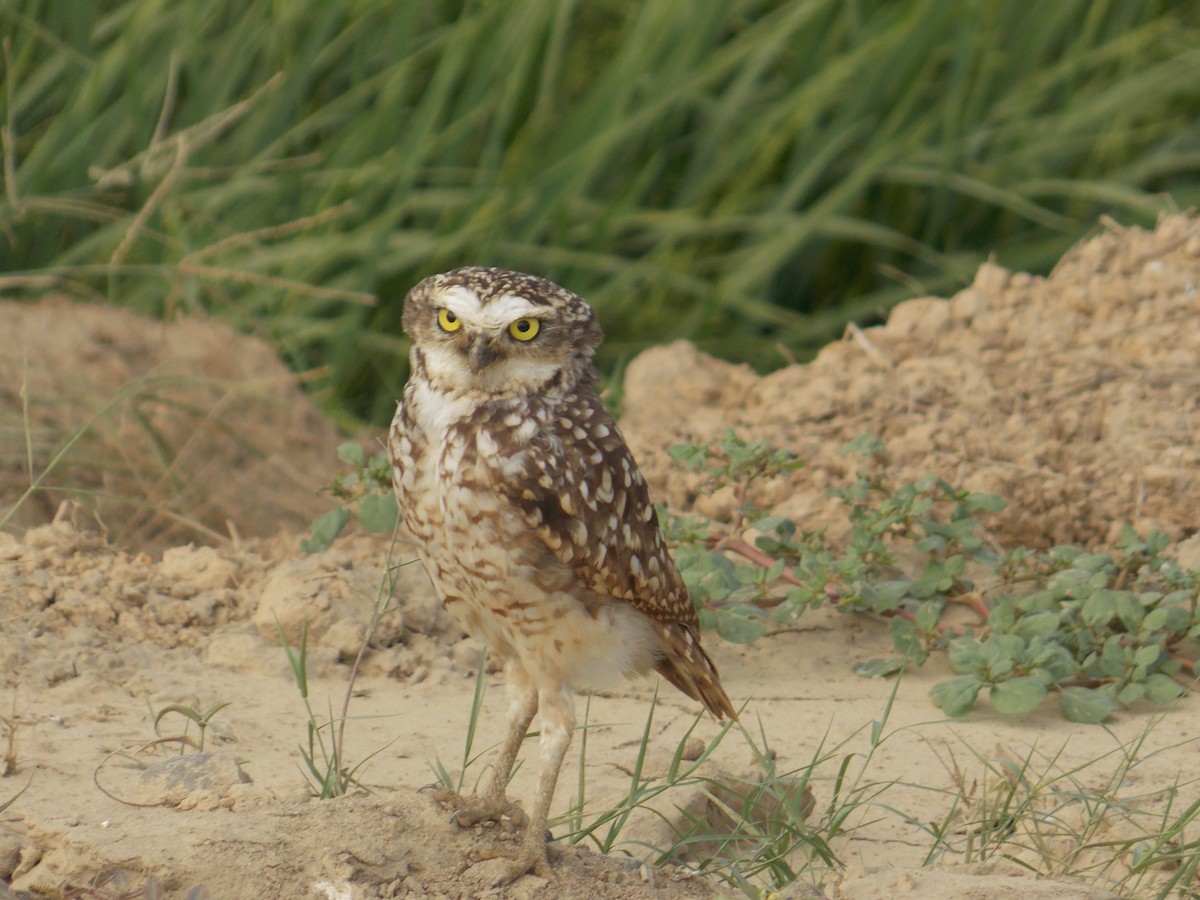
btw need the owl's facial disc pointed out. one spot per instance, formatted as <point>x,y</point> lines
<point>490,346</point>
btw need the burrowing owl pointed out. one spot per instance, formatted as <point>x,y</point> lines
<point>532,518</point>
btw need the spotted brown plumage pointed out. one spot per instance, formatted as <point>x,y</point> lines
<point>531,517</point>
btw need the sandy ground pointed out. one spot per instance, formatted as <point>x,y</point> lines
<point>1077,397</point>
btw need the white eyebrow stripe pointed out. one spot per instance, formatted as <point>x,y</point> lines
<point>461,301</point>
<point>496,316</point>
<point>505,309</point>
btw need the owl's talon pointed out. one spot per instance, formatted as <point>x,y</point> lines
<point>463,818</point>
<point>487,809</point>
<point>533,858</point>
<point>440,792</point>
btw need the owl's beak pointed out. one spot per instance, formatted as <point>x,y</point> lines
<point>481,353</point>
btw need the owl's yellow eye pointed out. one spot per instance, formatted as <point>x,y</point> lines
<point>525,329</point>
<point>448,320</point>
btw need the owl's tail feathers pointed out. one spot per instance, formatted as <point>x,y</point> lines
<point>685,664</point>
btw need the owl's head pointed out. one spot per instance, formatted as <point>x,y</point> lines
<point>498,333</point>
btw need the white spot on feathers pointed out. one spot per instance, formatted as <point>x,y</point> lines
<point>605,492</point>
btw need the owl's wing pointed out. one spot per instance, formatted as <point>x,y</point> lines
<point>583,494</point>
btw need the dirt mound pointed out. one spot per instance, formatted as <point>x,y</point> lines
<point>1075,397</point>
<point>228,605</point>
<point>186,431</point>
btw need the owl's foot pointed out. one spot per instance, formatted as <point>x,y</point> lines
<point>487,807</point>
<point>532,858</point>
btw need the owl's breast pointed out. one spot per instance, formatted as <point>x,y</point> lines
<point>451,460</point>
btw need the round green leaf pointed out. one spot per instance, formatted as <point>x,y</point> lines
<point>878,668</point>
<point>906,640</point>
<point>1040,602</point>
<point>1147,655</point>
<point>886,595</point>
<point>956,695</point>
<point>928,614</point>
<point>1002,616</point>
<point>1131,693</point>
<point>1087,705</point>
<point>737,628</point>
<point>932,544</point>
<point>325,529</point>
<point>1129,609</point>
<point>802,596</point>
<point>1178,619</point>
<point>378,512</point>
<point>1155,620</point>
<point>965,654</point>
<point>1099,609</point>
<point>351,454</point>
<point>1038,624</point>
<point>1112,657</point>
<point>1018,695</point>
<point>985,502</point>
<point>771,523</point>
<point>998,652</point>
<point>1093,562</point>
<point>1162,688</point>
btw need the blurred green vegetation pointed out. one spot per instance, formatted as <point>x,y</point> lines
<point>751,174</point>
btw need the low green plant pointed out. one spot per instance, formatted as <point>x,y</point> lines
<point>324,754</point>
<point>364,487</point>
<point>1086,821</point>
<point>770,827</point>
<point>1099,629</point>
<point>730,461</point>
<point>190,714</point>
<point>604,828</point>
<point>11,722</point>
<point>5,804</point>
<point>455,783</point>
<point>1102,628</point>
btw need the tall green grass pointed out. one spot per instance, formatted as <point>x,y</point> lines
<point>751,174</point>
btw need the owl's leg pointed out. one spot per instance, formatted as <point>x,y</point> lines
<point>492,804</point>
<point>557,726</point>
